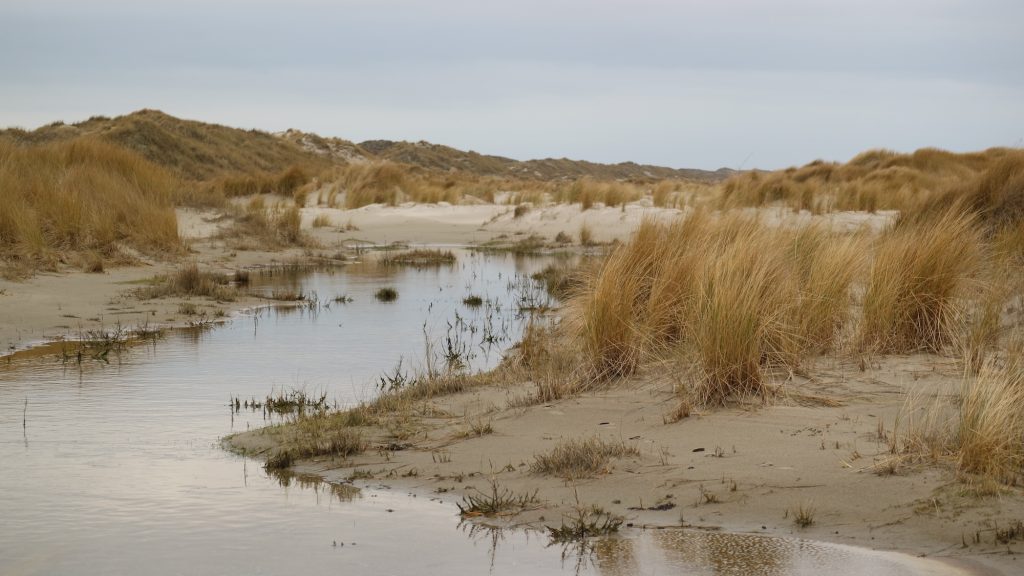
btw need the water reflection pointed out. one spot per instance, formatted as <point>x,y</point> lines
<point>342,491</point>
<point>615,557</point>
<point>119,469</point>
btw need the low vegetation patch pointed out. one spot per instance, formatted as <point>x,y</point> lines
<point>560,280</point>
<point>84,196</point>
<point>386,294</point>
<point>310,437</point>
<point>419,257</point>
<point>584,458</point>
<point>803,514</point>
<point>189,280</point>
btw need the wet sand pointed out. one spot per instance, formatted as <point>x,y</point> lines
<point>739,469</point>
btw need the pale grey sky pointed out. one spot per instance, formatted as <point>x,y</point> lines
<point>682,83</point>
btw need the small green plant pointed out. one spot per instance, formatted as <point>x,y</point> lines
<point>473,301</point>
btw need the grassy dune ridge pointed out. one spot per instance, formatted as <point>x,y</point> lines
<point>885,180</point>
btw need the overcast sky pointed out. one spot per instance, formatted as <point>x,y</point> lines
<point>684,83</point>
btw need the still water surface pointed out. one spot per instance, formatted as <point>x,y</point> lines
<point>119,468</point>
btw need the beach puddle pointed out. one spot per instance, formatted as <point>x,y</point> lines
<point>113,464</point>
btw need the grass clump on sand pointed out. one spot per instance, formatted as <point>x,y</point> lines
<point>386,294</point>
<point>84,196</point>
<point>979,434</point>
<point>990,426</point>
<point>189,280</point>
<point>920,271</point>
<point>309,437</point>
<point>575,458</point>
<point>272,226</point>
<point>730,295</point>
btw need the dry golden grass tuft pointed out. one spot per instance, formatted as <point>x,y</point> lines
<point>83,196</point>
<point>270,226</point>
<point>978,434</point>
<point>189,280</point>
<point>988,432</point>
<point>728,294</point>
<point>920,271</point>
<point>286,183</point>
<point>588,191</point>
<point>581,458</point>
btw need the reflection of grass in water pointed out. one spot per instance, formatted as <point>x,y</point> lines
<point>583,523</point>
<point>343,491</point>
<point>495,502</point>
<point>419,257</point>
<point>284,402</point>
